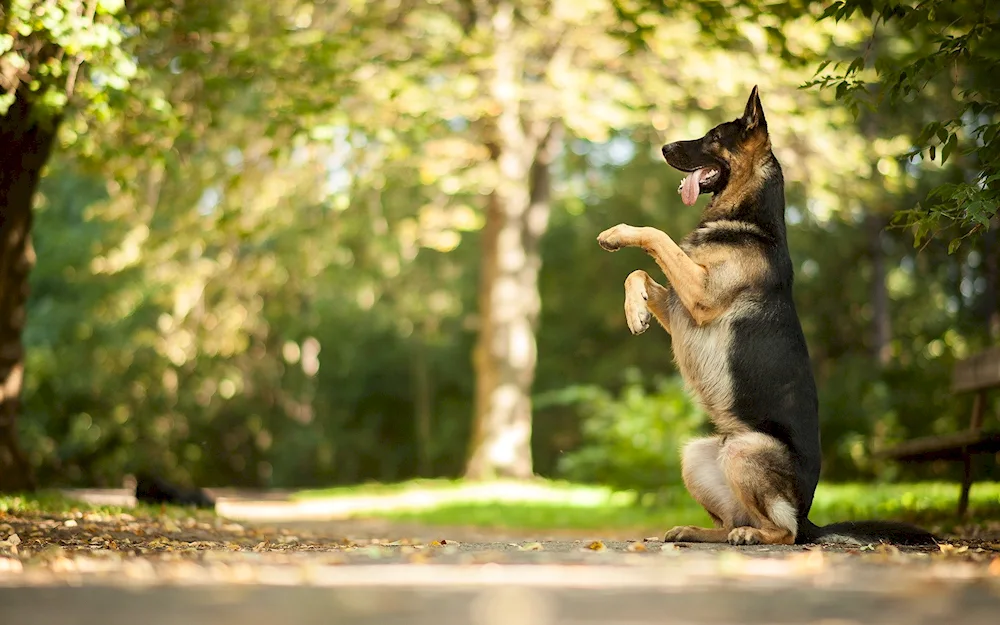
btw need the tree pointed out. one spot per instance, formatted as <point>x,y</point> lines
<point>43,49</point>
<point>954,49</point>
<point>937,73</point>
<point>496,84</point>
<point>512,84</point>
<point>66,67</point>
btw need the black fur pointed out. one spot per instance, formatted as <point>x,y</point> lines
<point>775,392</point>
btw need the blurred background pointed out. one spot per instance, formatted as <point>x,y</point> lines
<point>303,244</point>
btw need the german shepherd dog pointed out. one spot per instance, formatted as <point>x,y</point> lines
<point>739,345</point>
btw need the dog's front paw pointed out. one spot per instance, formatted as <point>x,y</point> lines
<point>745,536</point>
<point>680,534</point>
<point>637,314</point>
<point>613,239</point>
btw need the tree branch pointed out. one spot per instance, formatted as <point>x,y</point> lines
<point>90,15</point>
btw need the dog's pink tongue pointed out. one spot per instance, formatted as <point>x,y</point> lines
<point>690,187</point>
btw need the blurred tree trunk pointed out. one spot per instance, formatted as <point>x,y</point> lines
<point>516,218</point>
<point>879,293</point>
<point>25,145</point>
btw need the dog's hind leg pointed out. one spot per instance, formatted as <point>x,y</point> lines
<point>759,471</point>
<point>706,481</point>
<point>643,297</point>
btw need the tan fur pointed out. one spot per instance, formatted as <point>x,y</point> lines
<point>733,477</point>
<point>748,168</point>
<point>705,480</point>
<point>644,296</point>
<point>758,469</point>
<point>713,285</point>
<point>700,350</point>
<point>705,278</point>
<point>740,481</point>
<point>742,478</point>
<point>685,276</point>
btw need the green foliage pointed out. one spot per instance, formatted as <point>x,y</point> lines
<point>944,51</point>
<point>547,505</point>
<point>50,49</point>
<point>258,249</point>
<point>633,440</point>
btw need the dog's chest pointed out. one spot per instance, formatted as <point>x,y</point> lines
<point>702,355</point>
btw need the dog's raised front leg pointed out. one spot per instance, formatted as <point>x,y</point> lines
<point>644,296</point>
<point>685,276</point>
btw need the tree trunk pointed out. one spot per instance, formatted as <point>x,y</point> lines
<point>25,145</point>
<point>881,316</point>
<point>509,302</point>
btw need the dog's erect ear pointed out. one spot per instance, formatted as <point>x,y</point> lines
<point>753,115</point>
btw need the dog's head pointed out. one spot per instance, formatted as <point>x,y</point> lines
<point>724,156</point>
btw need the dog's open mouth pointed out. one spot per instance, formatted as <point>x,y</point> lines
<point>697,181</point>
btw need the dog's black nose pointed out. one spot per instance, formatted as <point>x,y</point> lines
<point>667,149</point>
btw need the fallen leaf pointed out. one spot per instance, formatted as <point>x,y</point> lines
<point>636,547</point>
<point>531,547</point>
<point>994,568</point>
<point>596,546</point>
<point>949,549</point>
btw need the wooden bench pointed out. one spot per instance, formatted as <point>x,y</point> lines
<point>977,374</point>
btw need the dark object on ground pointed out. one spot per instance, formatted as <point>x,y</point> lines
<point>863,533</point>
<point>738,343</point>
<point>978,374</point>
<point>151,489</point>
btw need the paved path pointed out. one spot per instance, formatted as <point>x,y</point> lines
<point>524,583</point>
<point>690,590</point>
<point>96,570</point>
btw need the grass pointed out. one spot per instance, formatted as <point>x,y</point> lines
<point>53,503</point>
<point>550,505</point>
<point>545,504</point>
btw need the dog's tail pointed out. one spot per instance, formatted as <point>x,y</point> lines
<point>864,533</point>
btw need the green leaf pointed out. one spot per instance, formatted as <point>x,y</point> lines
<point>948,148</point>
